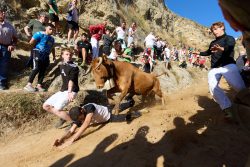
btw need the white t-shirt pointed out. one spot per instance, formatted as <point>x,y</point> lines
<point>158,44</point>
<point>150,40</point>
<point>121,34</point>
<point>167,53</point>
<point>100,113</point>
<point>113,54</point>
<point>131,31</point>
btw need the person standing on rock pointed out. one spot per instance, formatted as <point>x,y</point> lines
<point>132,33</point>
<point>96,32</point>
<point>36,25</point>
<point>8,41</point>
<point>43,43</point>
<point>222,64</point>
<point>72,19</point>
<point>121,34</point>
<point>54,14</point>
<point>149,43</point>
<point>69,73</point>
<point>108,39</point>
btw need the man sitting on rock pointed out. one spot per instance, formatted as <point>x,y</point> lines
<point>69,72</point>
<point>84,49</point>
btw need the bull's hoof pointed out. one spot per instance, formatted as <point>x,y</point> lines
<point>128,117</point>
<point>131,103</point>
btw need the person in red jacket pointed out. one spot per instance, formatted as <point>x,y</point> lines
<point>96,32</point>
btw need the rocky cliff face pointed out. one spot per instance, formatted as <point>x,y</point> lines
<point>150,15</point>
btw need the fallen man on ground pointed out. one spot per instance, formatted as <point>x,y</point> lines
<point>82,117</point>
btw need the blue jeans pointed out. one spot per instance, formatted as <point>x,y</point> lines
<point>4,63</point>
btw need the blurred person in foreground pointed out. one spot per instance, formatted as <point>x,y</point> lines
<point>8,41</point>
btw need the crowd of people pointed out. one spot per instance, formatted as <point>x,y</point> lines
<point>118,45</point>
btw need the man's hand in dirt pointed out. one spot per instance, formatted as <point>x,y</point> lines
<point>66,144</point>
<point>57,143</point>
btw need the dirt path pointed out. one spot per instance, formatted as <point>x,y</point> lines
<point>189,131</point>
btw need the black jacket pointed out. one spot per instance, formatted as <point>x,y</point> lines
<point>220,59</point>
<point>69,72</point>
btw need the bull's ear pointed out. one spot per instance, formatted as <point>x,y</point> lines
<point>106,60</point>
<point>104,56</point>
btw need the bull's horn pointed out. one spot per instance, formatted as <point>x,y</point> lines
<point>99,63</point>
<point>88,70</point>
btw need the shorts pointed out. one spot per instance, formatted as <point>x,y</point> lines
<point>59,100</point>
<point>53,17</point>
<point>73,25</point>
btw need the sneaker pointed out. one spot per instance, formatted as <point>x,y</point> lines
<point>29,88</point>
<point>60,123</point>
<point>228,114</point>
<point>40,89</point>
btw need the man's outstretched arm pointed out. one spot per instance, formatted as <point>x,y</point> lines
<point>67,135</point>
<point>79,132</point>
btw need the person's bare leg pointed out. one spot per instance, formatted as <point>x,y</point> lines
<point>76,32</point>
<point>69,35</point>
<point>84,54</point>
<point>60,113</point>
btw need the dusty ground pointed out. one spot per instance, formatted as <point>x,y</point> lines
<point>189,131</point>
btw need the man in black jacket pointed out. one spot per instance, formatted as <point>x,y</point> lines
<point>222,64</point>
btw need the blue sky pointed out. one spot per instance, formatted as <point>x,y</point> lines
<point>204,12</point>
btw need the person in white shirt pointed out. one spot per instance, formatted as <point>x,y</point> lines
<point>131,33</point>
<point>149,42</point>
<point>82,117</point>
<point>121,34</point>
<point>166,54</point>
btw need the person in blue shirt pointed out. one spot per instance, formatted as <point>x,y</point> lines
<point>43,43</point>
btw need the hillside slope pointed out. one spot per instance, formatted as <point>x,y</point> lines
<point>150,15</point>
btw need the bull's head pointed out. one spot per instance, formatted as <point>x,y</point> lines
<point>100,70</point>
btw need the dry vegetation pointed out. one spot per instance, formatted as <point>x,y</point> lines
<point>19,108</point>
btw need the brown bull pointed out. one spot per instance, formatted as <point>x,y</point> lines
<point>127,79</point>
